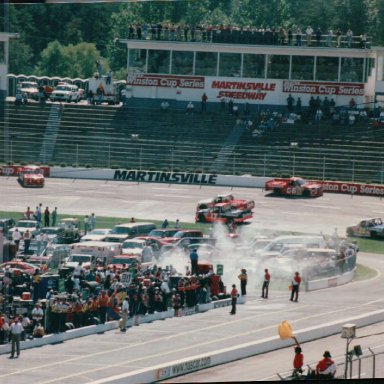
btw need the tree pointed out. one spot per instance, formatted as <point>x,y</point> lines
<point>20,57</point>
<point>69,61</point>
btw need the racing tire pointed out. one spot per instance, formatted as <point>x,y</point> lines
<point>277,191</point>
<point>202,218</point>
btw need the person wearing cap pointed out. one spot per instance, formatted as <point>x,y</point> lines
<point>296,281</point>
<point>298,360</point>
<point>243,277</point>
<point>264,289</point>
<point>326,367</point>
<point>234,294</point>
<point>16,331</point>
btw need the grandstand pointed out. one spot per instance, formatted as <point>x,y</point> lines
<point>149,139</point>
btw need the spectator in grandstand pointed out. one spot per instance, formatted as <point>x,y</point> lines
<point>282,36</point>
<point>190,108</point>
<point>204,99</point>
<point>329,37</point>
<point>352,104</point>
<point>318,36</point>
<point>164,106</point>
<point>308,35</point>
<point>319,114</point>
<point>230,106</point>
<point>290,101</point>
<point>349,38</point>
<point>326,368</point>
<point>222,104</point>
<point>290,36</point>
<point>298,106</point>
<point>298,37</point>
<point>338,38</point>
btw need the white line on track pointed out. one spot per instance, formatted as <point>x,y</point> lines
<point>178,196</point>
<point>171,189</point>
<point>321,206</point>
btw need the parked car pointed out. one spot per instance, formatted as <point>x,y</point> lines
<point>66,92</point>
<point>183,233</point>
<point>6,225</point>
<point>31,176</point>
<point>372,228</point>
<point>71,228</point>
<point>163,232</point>
<point>30,88</point>
<point>55,234</point>
<point>294,186</point>
<point>22,225</point>
<point>98,234</point>
<point>19,264</point>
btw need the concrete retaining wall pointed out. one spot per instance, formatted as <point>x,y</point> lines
<point>330,281</point>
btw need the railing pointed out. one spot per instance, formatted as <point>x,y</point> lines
<point>147,155</point>
<point>245,36</point>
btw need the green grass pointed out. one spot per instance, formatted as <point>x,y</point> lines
<point>364,273</point>
<point>369,245</point>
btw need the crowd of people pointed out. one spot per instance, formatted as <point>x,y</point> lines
<point>229,34</point>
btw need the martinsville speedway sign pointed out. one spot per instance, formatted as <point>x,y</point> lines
<point>138,176</point>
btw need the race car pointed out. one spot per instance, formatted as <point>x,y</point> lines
<point>222,213</point>
<point>228,198</point>
<point>31,176</point>
<point>372,228</point>
<point>294,186</point>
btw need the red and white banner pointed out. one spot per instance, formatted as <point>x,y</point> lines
<point>352,188</point>
<point>13,170</point>
<point>317,88</point>
<point>167,81</point>
<point>243,90</point>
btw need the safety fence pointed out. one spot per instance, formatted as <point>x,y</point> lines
<point>148,155</point>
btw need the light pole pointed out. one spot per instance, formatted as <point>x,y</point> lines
<point>348,332</point>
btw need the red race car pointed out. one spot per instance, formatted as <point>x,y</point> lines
<point>31,176</point>
<point>294,186</point>
<point>22,265</point>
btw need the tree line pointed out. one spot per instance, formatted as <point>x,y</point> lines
<point>67,39</point>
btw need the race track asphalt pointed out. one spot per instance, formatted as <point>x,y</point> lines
<point>95,357</point>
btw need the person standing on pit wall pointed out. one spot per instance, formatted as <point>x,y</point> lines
<point>16,331</point>
<point>234,295</point>
<point>243,277</point>
<point>296,281</point>
<point>267,279</point>
<point>194,257</point>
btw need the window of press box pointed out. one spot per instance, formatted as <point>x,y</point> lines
<point>254,66</point>
<point>302,67</point>
<point>327,68</point>
<point>182,63</point>
<point>230,64</point>
<point>352,69</point>
<point>137,58</point>
<point>278,67</point>
<point>158,61</point>
<point>206,64</point>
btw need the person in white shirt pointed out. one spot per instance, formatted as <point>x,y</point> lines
<point>308,33</point>
<point>38,239</point>
<point>16,331</point>
<point>37,314</point>
<point>16,236</point>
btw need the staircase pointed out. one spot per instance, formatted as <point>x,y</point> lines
<point>50,135</point>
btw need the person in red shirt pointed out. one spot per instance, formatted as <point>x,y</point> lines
<point>267,279</point>
<point>298,360</point>
<point>295,287</point>
<point>326,367</point>
<point>234,294</point>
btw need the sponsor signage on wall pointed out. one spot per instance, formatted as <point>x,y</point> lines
<point>167,81</point>
<point>316,88</point>
<point>353,188</point>
<point>183,367</point>
<point>13,170</point>
<point>165,177</point>
<point>243,90</point>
